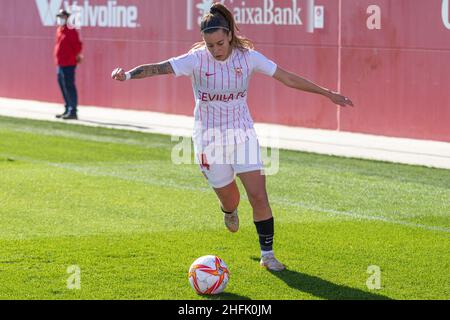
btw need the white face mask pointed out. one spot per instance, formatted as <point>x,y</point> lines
<point>61,21</point>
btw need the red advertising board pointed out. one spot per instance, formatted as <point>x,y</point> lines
<point>392,57</point>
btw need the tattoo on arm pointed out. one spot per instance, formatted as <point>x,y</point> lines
<point>150,70</point>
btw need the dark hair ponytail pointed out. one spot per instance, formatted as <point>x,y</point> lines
<point>220,17</point>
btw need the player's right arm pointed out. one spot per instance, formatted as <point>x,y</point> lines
<point>143,71</point>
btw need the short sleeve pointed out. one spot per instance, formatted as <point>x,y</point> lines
<point>183,65</point>
<point>262,64</point>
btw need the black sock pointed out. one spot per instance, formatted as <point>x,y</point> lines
<point>265,230</point>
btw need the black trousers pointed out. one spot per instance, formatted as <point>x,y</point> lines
<point>66,81</point>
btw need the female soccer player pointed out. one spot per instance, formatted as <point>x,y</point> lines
<point>225,142</point>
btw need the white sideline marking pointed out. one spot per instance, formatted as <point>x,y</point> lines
<point>358,216</point>
<point>276,200</point>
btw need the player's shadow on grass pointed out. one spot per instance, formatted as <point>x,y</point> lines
<point>322,288</point>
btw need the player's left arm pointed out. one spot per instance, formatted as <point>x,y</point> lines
<point>294,81</point>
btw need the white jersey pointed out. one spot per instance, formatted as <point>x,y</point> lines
<point>220,89</point>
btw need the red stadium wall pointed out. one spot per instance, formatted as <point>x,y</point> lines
<point>392,57</point>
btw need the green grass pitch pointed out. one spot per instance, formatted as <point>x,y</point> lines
<point>112,203</point>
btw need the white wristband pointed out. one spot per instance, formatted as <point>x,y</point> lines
<point>127,76</point>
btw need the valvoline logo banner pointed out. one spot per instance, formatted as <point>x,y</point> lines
<point>110,14</point>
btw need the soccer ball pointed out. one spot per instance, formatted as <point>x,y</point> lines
<point>209,275</point>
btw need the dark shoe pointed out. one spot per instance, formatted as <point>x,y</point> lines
<point>66,111</point>
<point>59,116</point>
<point>70,116</point>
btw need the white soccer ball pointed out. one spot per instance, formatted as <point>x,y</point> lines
<point>209,275</point>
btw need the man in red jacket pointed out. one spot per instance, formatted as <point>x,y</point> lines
<point>67,55</point>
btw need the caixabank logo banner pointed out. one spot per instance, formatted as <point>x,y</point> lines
<point>109,14</point>
<point>302,13</point>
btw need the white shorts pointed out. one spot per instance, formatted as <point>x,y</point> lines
<point>221,164</point>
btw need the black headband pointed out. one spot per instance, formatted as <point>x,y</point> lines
<point>210,28</point>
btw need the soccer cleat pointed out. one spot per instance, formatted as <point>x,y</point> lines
<point>231,221</point>
<point>271,263</point>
